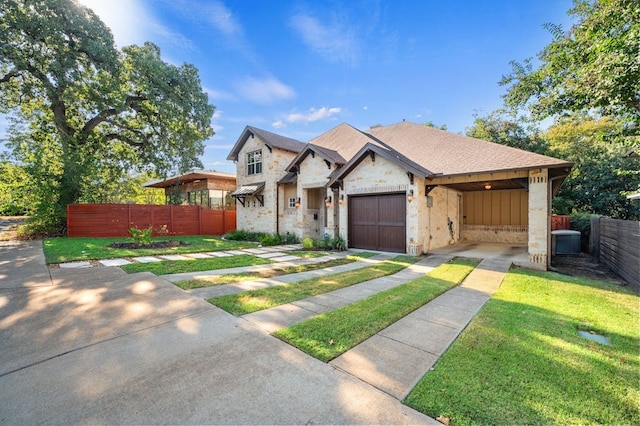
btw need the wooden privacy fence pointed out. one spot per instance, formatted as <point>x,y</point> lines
<point>114,220</point>
<point>616,243</point>
<point>560,222</point>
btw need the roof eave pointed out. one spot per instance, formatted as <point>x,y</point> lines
<point>398,159</point>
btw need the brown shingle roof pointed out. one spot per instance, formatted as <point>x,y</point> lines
<point>343,139</point>
<point>445,153</point>
<point>272,140</point>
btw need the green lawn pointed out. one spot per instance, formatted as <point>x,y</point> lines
<point>521,361</point>
<point>195,265</point>
<point>269,273</point>
<point>328,335</point>
<point>64,249</point>
<point>257,300</point>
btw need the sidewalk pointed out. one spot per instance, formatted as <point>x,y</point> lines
<point>281,316</point>
<point>396,358</point>
<point>221,290</point>
<point>275,253</point>
<point>99,346</point>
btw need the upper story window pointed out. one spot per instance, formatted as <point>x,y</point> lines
<point>254,162</point>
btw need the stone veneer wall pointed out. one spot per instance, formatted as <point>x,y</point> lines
<point>507,234</point>
<point>539,218</point>
<point>313,176</point>
<point>427,227</point>
<point>253,216</point>
<point>433,227</point>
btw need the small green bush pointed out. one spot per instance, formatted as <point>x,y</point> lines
<point>307,243</point>
<point>270,240</point>
<point>582,222</point>
<point>339,243</point>
<point>289,238</point>
<point>141,237</point>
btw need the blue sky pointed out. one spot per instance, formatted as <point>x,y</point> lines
<point>299,68</point>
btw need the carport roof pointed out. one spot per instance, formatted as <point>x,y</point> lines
<point>449,154</point>
<point>190,176</point>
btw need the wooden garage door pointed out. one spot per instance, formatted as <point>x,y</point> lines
<point>378,222</point>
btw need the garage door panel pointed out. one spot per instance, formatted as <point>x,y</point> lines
<point>378,222</point>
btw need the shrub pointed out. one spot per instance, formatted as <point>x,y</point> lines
<point>270,240</point>
<point>339,243</point>
<point>289,238</point>
<point>307,243</point>
<point>141,237</point>
<point>582,222</point>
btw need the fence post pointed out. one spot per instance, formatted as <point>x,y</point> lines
<point>200,220</point>
<point>129,224</point>
<point>171,230</point>
<point>594,237</point>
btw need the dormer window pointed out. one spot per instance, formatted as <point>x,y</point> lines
<point>254,162</point>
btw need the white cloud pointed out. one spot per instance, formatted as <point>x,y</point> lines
<point>313,115</point>
<point>365,107</point>
<point>218,95</point>
<point>264,91</point>
<point>223,20</point>
<point>133,23</point>
<point>335,42</point>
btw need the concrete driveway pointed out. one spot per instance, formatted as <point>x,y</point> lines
<point>99,346</point>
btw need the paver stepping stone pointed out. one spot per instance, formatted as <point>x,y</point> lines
<point>173,257</point>
<point>114,262</point>
<point>285,258</point>
<point>198,255</point>
<point>147,259</point>
<point>236,252</point>
<point>256,251</point>
<point>272,254</point>
<point>219,254</point>
<point>80,264</point>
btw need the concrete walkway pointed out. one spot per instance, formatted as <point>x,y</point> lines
<point>281,316</point>
<point>274,253</point>
<point>96,346</point>
<point>221,290</point>
<point>397,357</point>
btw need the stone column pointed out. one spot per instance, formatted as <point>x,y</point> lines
<point>539,208</point>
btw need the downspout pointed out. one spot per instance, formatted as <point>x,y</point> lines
<point>277,209</point>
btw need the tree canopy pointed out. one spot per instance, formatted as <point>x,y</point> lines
<point>80,106</point>
<point>593,65</point>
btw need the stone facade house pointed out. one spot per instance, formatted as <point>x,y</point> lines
<point>403,188</point>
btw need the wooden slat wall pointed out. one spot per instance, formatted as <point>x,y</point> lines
<point>560,222</point>
<point>488,208</point>
<point>620,247</point>
<point>114,220</point>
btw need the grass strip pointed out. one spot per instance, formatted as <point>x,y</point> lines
<point>328,335</point>
<point>269,273</point>
<point>194,265</point>
<point>257,300</point>
<point>521,361</point>
<point>66,249</point>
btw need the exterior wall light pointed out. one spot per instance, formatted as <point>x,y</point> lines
<point>297,202</point>
<point>487,186</point>
<point>410,195</point>
<point>327,201</point>
<point>341,199</point>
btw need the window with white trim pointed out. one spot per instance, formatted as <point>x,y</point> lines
<point>254,162</point>
<point>292,203</point>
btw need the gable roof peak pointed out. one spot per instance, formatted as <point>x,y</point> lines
<point>272,140</point>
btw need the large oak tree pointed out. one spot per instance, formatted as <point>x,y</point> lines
<point>79,105</point>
